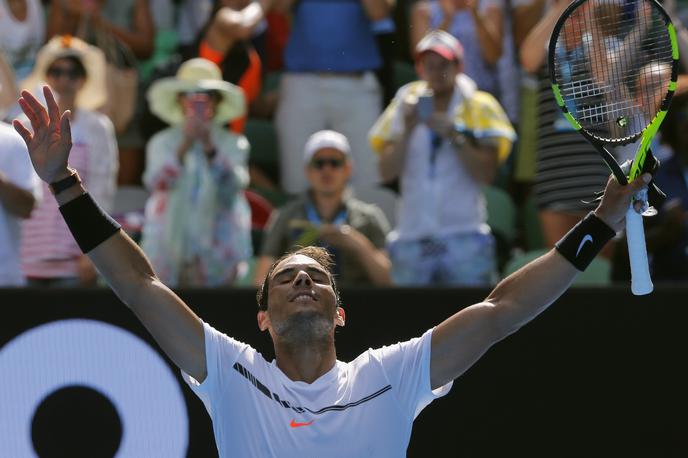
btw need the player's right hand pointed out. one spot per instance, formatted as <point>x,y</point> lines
<point>51,141</point>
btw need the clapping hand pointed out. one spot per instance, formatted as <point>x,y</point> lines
<point>51,141</point>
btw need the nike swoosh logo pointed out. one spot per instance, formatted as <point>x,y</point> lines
<point>587,238</point>
<point>296,424</point>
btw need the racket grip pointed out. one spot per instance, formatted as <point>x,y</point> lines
<point>641,283</point>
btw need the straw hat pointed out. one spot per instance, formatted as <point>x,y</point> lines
<point>196,74</point>
<point>94,92</point>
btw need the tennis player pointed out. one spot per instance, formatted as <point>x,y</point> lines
<point>306,402</point>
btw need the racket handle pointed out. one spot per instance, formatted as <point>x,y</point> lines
<point>641,283</point>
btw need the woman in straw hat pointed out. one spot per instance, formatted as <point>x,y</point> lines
<point>198,224</point>
<point>76,73</point>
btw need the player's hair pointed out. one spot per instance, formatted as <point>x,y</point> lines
<point>316,253</point>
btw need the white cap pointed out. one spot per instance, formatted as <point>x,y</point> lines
<point>325,139</point>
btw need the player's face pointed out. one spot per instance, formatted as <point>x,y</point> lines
<point>439,72</point>
<point>328,171</point>
<point>302,305</point>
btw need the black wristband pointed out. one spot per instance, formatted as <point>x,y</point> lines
<point>65,183</point>
<point>582,243</point>
<point>89,223</point>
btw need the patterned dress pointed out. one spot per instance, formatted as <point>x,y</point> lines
<point>197,229</point>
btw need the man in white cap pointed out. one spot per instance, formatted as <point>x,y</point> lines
<point>326,215</point>
<point>442,139</point>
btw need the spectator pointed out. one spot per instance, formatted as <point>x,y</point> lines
<point>226,41</point>
<point>19,186</point>
<point>22,33</point>
<point>121,28</point>
<point>479,27</point>
<point>197,230</point>
<point>443,139</point>
<point>568,170</point>
<point>227,38</point>
<point>326,215</point>
<point>329,83</point>
<point>129,21</point>
<point>76,73</point>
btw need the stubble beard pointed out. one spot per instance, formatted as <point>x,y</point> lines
<point>304,328</point>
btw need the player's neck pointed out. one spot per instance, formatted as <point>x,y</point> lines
<point>306,363</point>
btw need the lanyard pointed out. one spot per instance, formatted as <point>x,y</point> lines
<point>435,144</point>
<point>313,217</point>
<point>338,220</point>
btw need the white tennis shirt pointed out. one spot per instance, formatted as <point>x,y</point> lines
<point>362,408</point>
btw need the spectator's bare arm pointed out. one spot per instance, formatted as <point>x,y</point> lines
<point>377,9</point>
<point>283,6</point>
<point>229,25</point>
<point>419,23</point>
<point>141,38</point>
<point>16,200</point>
<point>534,48</point>
<point>489,30</point>
<point>524,19</point>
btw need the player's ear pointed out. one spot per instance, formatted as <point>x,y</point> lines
<point>263,320</point>
<point>341,317</point>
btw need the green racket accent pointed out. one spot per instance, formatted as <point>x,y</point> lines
<point>653,128</point>
<point>674,42</point>
<point>648,134</point>
<point>562,105</point>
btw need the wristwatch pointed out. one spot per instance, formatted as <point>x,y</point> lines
<point>65,183</point>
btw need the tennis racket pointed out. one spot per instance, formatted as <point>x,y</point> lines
<point>613,66</point>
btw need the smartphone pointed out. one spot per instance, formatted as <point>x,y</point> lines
<point>197,105</point>
<point>424,107</point>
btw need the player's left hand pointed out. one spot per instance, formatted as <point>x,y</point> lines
<point>616,199</point>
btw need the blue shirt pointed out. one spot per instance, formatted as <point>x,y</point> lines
<point>331,36</point>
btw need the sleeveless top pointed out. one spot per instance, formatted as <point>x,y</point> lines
<point>20,41</point>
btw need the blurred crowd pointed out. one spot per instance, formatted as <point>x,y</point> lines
<point>418,141</point>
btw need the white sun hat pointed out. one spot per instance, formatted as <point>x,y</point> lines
<point>94,92</point>
<point>196,74</point>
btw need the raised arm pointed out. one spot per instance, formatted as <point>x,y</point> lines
<point>173,325</point>
<point>463,338</point>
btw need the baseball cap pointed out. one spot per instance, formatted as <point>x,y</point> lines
<point>325,139</point>
<point>442,43</point>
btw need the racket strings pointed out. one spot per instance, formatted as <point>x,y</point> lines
<point>611,64</point>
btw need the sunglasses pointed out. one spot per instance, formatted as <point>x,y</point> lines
<point>332,162</point>
<point>71,73</point>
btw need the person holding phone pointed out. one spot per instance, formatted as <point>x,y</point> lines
<point>197,230</point>
<point>442,139</point>
<point>326,215</point>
